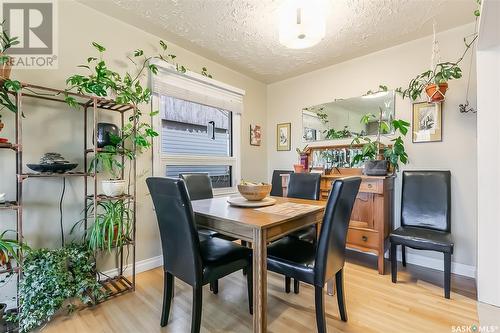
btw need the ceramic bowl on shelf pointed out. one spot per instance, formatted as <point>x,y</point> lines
<point>254,192</point>
<point>52,168</point>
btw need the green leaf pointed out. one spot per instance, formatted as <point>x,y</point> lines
<point>138,53</point>
<point>153,69</point>
<point>99,47</point>
<point>163,45</point>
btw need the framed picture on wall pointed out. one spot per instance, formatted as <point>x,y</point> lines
<point>427,122</point>
<point>255,135</point>
<point>283,136</point>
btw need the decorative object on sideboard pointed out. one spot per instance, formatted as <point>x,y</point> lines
<point>303,164</point>
<point>381,156</point>
<point>255,135</point>
<point>427,122</point>
<point>106,132</point>
<point>52,163</point>
<point>283,136</point>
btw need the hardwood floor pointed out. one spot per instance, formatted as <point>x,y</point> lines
<point>374,304</point>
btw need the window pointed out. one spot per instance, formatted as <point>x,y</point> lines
<point>199,124</point>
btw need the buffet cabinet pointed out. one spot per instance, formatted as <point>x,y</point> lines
<point>371,218</point>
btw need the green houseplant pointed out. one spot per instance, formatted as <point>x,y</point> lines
<point>9,248</point>
<point>54,279</point>
<point>111,226</point>
<point>6,42</point>
<point>377,156</point>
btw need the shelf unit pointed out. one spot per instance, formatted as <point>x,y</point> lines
<point>114,286</point>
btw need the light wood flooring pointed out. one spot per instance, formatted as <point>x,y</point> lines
<point>374,304</point>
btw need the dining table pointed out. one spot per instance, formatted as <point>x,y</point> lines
<point>258,226</point>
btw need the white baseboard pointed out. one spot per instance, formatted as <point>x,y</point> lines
<point>411,258</point>
<point>419,260</point>
<point>140,266</point>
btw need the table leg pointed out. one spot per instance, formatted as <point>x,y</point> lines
<point>259,280</point>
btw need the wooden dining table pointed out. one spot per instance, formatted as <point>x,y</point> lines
<point>258,226</point>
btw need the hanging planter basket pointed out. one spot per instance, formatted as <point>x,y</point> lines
<point>436,92</point>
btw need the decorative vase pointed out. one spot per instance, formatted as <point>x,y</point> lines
<point>376,167</point>
<point>298,168</point>
<point>304,160</point>
<point>5,70</point>
<point>104,132</point>
<point>436,92</point>
<point>113,188</point>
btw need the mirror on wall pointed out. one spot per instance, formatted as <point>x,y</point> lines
<point>341,119</point>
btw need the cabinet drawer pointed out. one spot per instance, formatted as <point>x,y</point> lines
<point>372,186</point>
<point>363,238</point>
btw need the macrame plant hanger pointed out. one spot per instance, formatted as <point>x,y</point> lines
<point>435,59</point>
<point>464,108</point>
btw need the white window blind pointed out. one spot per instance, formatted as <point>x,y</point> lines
<point>196,88</point>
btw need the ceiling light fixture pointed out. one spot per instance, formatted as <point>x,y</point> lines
<point>302,24</point>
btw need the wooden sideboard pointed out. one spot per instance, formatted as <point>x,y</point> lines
<point>371,218</point>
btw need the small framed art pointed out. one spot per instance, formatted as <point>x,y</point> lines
<point>283,136</point>
<point>427,122</point>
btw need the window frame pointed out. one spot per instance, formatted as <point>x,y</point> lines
<point>161,160</point>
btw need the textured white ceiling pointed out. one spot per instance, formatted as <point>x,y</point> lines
<point>243,34</point>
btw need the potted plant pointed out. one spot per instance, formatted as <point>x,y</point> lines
<point>9,249</point>
<point>111,227</point>
<point>435,80</point>
<point>54,279</point>
<point>303,164</point>
<point>377,156</point>
<point>6,42</point>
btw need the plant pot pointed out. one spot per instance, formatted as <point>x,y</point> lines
<point>436,92</point>
<point>5,70</point>
<point>3,306</point>
<point>3,259</point>
<point>103,134</point>
<point>298,168</point>
<point>376,167</point>
<point>113,188</point>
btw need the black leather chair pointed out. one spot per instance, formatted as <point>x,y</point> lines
<point>184,255</point>
<point>425,219</point>
<point>276,184</point>
<point>303,186</point>
<point>199,186</point>
<point>316,264</point>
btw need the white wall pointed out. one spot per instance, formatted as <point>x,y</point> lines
<point>394,67</point>
<point>54,127</point>
<point>488,151</point>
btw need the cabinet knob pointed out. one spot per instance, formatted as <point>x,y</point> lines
<point>364,238</point>
<point>370,185</point>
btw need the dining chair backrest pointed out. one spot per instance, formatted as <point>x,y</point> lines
<point>199,185</point>
<point>304,186</point>
<point>276,182</point>
<point>426,200</point>
<point>179,238</point>
<point>330,254</point>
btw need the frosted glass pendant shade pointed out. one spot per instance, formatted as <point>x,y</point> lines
<point>302,24</point>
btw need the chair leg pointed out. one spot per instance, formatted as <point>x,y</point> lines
<point>196,312</point>
<point>250,288</point>
<point>168,291</point>
<point>214,286</point>
<point>447,275</point>
<point>403,255</point>
<point>319,300</point>
<point>394,263</point>
<point>296,285</point>
<point>339,284</point>
<point>288,281</point>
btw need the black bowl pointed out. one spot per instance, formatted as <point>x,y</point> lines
<point>52,168</point>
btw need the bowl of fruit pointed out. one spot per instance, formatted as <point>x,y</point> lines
<point>254,191</point>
